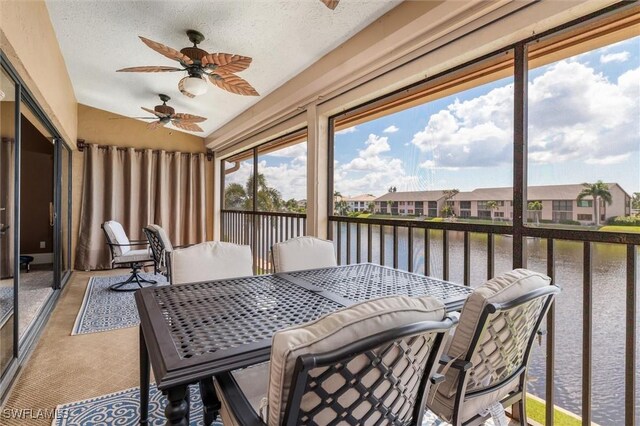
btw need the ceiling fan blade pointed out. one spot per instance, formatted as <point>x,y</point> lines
<point>331,4</point>
<point>167,51</point>
<point>226,62</point>
<point>155,124</point>
<point>183,90</point>
<point>234,84</point>
<point>188,118</point>
<point>192,127</point>
<point>156,113</point>
<point>150,69</point>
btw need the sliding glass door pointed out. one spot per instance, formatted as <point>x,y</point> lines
<point>35,219</point>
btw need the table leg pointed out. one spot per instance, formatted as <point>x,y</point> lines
<point>210,402</point>
<point>144,381</point>
<point>177,408</point>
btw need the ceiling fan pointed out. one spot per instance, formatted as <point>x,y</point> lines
<point>164,114</point>
<point>218,68</point>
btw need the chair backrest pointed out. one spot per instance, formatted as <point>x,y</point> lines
<point>497,328</point>
<point>211,260</point>
<point>367,362</point>
<point>115,235</point>
<point>302,253</point>
<point>159,243</point>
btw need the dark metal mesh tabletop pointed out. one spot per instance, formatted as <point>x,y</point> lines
<point>367,281</point>
<point>208,317</point>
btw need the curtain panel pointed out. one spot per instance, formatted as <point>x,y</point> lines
<point>7,206</point>
<point>137,188</point>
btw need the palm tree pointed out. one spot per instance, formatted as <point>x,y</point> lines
<point>536,207</point>
<point>635,201</point>
<point>340,206</point>
<point>492,205</point>
<point>597,191</point>
<point>235,197</point>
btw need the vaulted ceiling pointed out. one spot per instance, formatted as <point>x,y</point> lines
<point>284,37</point>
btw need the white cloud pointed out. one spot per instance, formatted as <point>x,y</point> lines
<point>390,129</point>
<point>575,113</point>
<point>347,130</point>
<point>291,151</point>
<point>611,159</point>
<point>371,172</point>
<point>614,57</point>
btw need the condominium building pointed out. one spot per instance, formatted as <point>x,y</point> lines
<point>359,203</point>
<point>559,203</point>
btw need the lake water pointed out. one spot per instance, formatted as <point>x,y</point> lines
<point>609,297</point>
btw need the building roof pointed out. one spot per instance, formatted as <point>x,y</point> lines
<point>412,196</point>
<point>543,192</point>
<point>361,197</point>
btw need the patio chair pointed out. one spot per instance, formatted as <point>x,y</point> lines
<point>370,363</point>
<point>122,255</point>
<point>208,261</point>
<point>486,360</point>
<point>161,248</point>
<point>302,253</point>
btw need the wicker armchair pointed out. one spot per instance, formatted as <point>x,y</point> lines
<point>302,253</point>
<point>370,363</point>
<point>486,361</point>
<point>122,255</point>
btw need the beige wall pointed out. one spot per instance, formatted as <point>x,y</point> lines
<point>98,126</point>
<point>28,40</point>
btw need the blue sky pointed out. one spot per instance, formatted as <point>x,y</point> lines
<point>584,125</point>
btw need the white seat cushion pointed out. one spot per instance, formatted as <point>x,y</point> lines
<point>116,235</point>
<point>504,288</point>
<point>303,253</point>
<point>253,381</point>
<point>334,331</point>
<point>211,260</point>
<point>131,256</point>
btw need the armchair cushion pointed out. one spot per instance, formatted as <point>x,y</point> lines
<point>211,260</point>
<point>302,253</point>
<point>504,288</point>
<point>116,235</point>
<point>334,331</point>
<point>133,256</point>
<point>253,383</point>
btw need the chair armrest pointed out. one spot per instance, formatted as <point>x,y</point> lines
<point>183,246</point>
<point>236,401</point>
<point>458,364</point>
<point>131,243</point>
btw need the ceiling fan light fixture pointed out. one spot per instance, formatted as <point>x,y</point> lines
<point>196,85</point>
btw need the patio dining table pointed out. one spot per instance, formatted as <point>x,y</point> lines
<point>190,332</point>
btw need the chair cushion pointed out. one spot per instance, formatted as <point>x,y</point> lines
<point>334,331</point>
<point>116,235</point>
<point>212,260</point>
<point>303,253</point>
<point>131,256</point>
<point>253,381</point>
<point>162,236</point>
<point>504,288</point>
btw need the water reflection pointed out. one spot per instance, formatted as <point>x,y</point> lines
<point>609,298</point>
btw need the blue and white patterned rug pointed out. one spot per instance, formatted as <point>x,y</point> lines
<point>103,309</point>
<point>123,409</point>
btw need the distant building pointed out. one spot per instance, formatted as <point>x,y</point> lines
<point>559,202</point>
<point>360,202</point>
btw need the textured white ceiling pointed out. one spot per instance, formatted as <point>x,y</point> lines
<point>97,37</point>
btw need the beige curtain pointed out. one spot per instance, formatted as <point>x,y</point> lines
<point>137,188</point>
<point>7,206</point>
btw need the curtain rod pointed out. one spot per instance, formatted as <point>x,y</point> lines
<point>81,144</point>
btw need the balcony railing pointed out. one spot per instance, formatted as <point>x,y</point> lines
<point>404,243</point>
<point>261,230</point>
